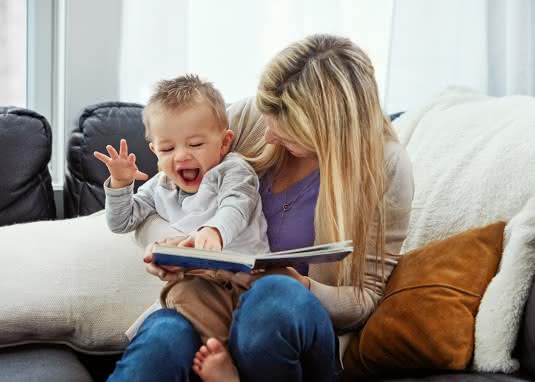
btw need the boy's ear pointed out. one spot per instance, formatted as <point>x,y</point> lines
<point>227,140</point>
<point>152,148</point>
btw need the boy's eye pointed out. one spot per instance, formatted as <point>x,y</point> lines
<point>166,149</point>
<point>197,145</point>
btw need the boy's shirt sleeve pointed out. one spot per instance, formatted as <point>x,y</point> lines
<point>237,198</point>
<point>125,211</point>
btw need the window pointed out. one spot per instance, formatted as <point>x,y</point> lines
<point>74,62</point>
<point>13,56</point>
<point>230,42</point>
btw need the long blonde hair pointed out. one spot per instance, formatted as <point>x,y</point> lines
<point>322,93</point>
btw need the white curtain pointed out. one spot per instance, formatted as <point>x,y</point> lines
<point>230,42</point>
<point>488,45</point>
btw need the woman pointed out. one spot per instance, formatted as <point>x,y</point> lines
<point>332,170</point>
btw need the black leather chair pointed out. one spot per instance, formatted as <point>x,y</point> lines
<point>25,184</point>
<point>100,125</point>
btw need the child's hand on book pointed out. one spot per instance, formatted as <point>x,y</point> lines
<point>206,238</point>
<point>122,166</point>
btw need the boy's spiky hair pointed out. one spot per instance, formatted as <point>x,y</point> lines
<point>183,92</point>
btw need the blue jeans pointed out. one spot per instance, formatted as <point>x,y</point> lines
<point>280,332</point>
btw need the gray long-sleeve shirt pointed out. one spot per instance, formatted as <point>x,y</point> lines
<point>227,199</point>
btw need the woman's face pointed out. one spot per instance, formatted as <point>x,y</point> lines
<point>273,136</point>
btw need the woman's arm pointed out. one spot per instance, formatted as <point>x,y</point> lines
<point>345,307</point>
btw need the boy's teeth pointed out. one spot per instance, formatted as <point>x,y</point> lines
<point>189,174</point>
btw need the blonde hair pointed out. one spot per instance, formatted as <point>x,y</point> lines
<point>322,93</point>
<point>181,93</point>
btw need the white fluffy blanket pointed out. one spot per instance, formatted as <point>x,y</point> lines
<point>500,312</point>
<point>473,158</point>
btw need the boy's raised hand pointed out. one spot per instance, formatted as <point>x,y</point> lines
<point>122,166</point>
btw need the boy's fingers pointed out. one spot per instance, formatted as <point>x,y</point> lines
<point>213,247</point>
<point>132,158</point>
<point>103,158</point>
<point>200,243</point>
<point>112,152</point>
<point>188,242</point>
<point>141,176</point>
<point>123,149</point>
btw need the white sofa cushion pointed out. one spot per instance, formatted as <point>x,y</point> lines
<point>72,282</point>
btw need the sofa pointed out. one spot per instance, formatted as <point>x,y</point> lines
<point>77,353</point>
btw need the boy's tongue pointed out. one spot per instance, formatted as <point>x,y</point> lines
<point>190,175</point>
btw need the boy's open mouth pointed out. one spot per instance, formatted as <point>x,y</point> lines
<point>189,176</point>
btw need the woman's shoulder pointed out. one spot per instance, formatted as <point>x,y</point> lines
<point>399,175</point>
<point>396,158</point>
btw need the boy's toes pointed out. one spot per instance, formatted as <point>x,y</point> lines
<point>204,351</point>
<point>214,346</point>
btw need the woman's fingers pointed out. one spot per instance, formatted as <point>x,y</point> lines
<point>162,274</point>
<point>172,268</point>
<point>148,252</point>
<point>291,272</point>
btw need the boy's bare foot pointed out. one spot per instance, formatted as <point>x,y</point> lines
<point>213,363</point>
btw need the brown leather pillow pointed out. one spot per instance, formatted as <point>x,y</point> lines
<point>427,316</point>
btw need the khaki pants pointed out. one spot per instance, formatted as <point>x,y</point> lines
<point>205,300</point>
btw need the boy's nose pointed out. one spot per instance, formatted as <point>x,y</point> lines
<point>181,155</point>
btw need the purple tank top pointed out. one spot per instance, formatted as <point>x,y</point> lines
<point>290,213</point>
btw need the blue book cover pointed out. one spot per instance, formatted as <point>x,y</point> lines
<point>239,262</point>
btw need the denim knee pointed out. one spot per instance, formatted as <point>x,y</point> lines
<point>277,303</point>
<point>167,328</point>
<point>285,294</point>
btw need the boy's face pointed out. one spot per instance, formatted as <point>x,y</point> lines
<point>188,143</point>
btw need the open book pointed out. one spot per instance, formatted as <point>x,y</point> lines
<point>240,262</point>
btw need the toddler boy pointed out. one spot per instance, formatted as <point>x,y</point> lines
<point>202,190</point>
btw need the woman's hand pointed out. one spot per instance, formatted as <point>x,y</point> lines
<point>245,280</point>
<point>165,273</point>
